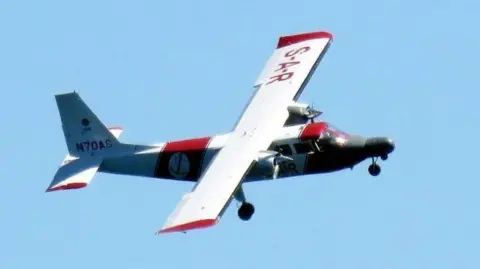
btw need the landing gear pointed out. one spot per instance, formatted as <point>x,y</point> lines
<point>246,211</point>
<point>374,169</point>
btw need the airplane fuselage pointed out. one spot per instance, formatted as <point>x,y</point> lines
<point>185,160</point>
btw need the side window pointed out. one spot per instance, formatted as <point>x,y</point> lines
<point>283,149</point>
<point>302,148</point>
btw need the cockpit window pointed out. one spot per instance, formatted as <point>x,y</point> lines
<point>334,128</point>
<point>327,134</point>
<point>331,132</point>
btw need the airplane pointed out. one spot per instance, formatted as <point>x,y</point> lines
<point>276,137</point>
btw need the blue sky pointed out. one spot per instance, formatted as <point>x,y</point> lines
<point>169,70</point>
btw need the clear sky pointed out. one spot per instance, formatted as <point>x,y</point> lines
<point>175,69</point>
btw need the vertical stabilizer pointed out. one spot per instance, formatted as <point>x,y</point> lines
<point>84,133</point>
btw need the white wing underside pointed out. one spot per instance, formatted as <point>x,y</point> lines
<point>281,81</point>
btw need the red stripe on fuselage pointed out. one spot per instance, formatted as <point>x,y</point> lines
<point>182,159</point>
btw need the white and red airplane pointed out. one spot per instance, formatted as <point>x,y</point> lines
<point>275,138</point>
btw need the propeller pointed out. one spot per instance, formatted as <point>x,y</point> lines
<point>311,108</point>
<point>278,158</point>
<point>312,113</point>
<point>276,171</point>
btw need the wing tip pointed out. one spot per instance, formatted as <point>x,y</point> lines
<point>69,186</point>
<point>297,38</point>
<point>198,224</point>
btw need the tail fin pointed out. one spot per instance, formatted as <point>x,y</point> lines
<point>84,133</point>
<point>88,142</point>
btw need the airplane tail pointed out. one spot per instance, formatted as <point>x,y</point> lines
<point>84,133</point>
<point>88,142</point>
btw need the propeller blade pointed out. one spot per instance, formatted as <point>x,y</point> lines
<point>276,171</point>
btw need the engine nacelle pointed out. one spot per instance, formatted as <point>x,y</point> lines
<point>303,110</point>
<point>300,114</point>
<point>267,164</point>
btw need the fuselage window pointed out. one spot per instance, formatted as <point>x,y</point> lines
<point>284,149</point>
<point>302,148</point>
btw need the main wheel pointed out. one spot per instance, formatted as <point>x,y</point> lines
<point>246,211</point>
<point>374,169</point>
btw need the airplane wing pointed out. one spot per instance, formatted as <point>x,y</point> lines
<point>281,82</point>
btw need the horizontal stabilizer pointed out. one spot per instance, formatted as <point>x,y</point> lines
<point>75,174</point>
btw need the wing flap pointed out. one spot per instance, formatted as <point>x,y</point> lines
<point>280,82</point>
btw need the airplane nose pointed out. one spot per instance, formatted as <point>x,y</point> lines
<point>391,144</point>
<point>380,144</point>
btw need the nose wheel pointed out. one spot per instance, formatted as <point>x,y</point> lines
<point>374,169</point>
<point>246,211</point>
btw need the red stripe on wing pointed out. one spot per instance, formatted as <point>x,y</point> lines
<point>69,186</point>
<point>199,224</point>
<point>293,39</point>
